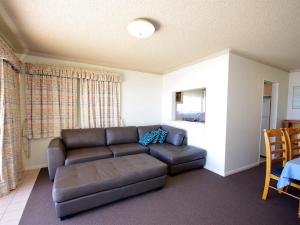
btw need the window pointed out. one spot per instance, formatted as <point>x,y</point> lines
<point>190,105</point>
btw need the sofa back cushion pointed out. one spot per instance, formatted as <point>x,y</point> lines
<point>81,138</point>
<point>121,135</point>
<point>142,130</point>
<point>175,135</point>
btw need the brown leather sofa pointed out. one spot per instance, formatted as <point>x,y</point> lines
<point>84,145</point>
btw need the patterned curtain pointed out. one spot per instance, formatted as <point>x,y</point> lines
<point>10,128</point>
<point>52,99</point>
<point>7,54</point>
<point>99,103</point>
<point>51,104</point>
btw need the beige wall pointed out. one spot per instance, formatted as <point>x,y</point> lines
<point>140,102</point>
<point>245,96</point>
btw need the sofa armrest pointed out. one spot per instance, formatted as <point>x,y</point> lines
<point>56,156</point>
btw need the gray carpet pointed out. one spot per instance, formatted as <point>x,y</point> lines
<point>198,197</point>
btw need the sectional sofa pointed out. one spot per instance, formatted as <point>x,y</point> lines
<point>93,167</point>
<point>83,145</point>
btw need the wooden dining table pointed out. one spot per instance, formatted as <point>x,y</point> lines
<point>291,171</point>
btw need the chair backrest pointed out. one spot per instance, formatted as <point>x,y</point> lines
<point>276,148</point>
<point>292,136</point>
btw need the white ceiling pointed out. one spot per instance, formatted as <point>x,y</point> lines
<point>95,31</point>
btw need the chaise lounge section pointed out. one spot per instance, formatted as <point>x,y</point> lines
<point>179,156</point>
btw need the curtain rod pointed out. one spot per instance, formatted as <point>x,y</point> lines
<point>11,64</point>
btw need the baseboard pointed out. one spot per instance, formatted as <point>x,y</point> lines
<point>227,173</point>
<point>219,172</point>
<point>33,167</point>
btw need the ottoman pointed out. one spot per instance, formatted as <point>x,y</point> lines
<point>86,185</point>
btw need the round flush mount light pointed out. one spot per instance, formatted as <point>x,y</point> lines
<point>141,28</point>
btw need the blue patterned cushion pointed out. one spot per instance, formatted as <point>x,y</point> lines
<point>162,136</point>
<point>157,135</point>
<point>148,138</point>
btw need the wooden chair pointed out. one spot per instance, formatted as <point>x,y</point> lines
<point>292,136</point>
<point>276,155</point>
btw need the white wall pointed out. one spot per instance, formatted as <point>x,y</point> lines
<point>245,94</point>
<point>234,90</point>
<point>211,74</point>
<point>294,80</point>
<point>140,102</point>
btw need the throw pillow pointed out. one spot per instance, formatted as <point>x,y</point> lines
<point>162,136</point>
<point>147,138</point>
<point>157,135</point>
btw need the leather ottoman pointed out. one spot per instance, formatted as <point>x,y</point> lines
<point>86,185</point>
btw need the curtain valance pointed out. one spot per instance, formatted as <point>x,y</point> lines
<point>72,72</point>
<point>7,54</point>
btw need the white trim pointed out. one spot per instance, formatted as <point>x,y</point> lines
<point>274,105</point>
<point>235,52</point>
<point>219,172</point>
<point>196,61</point>
<point>295,71</point>
<point>227,173</point>
<point>2,115</point>
<point>33,167</point>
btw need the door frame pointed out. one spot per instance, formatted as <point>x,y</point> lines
<point>274,110</point>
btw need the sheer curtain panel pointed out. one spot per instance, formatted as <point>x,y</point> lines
<point>99,103</point>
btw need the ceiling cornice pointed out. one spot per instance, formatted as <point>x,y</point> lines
<point>199,60</point>
<point>72,61</point>
<point>238,53</point>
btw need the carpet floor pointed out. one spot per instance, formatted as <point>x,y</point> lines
<point>199,197</point>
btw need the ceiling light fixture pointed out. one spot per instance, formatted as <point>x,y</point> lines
<point>141,28</point>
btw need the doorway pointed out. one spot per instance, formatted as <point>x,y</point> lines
<point>268,113</point>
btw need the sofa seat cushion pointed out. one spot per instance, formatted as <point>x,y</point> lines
<point>87,154</point>
<point>128,149</point>
<point>174,155</point>
<point>106,174</point>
